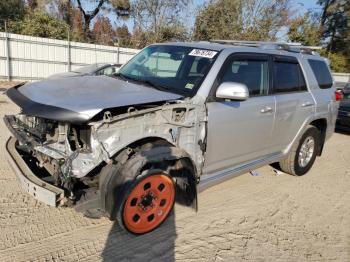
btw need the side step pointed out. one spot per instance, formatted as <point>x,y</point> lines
<point>33,185</point>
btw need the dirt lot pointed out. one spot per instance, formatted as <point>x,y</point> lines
<point>262,218</point>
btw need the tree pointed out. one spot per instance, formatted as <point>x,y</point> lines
<point>241,20</point>
<point>123,36</point>
<point>219,20</point>
<point>10,10</point>
<point>32,4</point>
<point>120,7</point>
<point>40,24</point>
<point>305,29</point>
<point>339,62</point>
<point>158,20</point>
<point>334,23</point>
<point>76,26</point>
<point>335,27</point>
<point>103,31</point>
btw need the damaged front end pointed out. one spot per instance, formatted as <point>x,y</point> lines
<point>57,153</point>
<point>69,157</point>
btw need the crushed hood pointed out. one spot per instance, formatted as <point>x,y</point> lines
<point>78,99</point>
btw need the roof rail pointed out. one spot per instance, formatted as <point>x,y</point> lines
<point>292,47</point>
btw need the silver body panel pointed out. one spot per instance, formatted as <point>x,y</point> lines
<point>89,95</point>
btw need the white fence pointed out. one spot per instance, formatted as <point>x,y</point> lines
<point>341,78</point>
<point>34,58</point>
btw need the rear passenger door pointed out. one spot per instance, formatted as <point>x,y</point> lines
<point>294,104</point>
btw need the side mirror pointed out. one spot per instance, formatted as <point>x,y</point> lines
<point>232,91</point>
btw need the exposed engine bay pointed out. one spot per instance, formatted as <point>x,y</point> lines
<point>70,156</point>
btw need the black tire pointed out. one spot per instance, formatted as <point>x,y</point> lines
<point>291,164</point>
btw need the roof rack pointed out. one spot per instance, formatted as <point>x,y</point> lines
<point>292,47</point>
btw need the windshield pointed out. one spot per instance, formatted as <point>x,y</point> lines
<point>175,69</point>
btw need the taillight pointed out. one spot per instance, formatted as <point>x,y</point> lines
<point>338,95</point>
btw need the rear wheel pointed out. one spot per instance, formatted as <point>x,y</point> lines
<point>149,201</point>
<point>303,154</point>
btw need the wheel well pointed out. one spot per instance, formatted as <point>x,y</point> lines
<point>151,142</point>
<point>321,125</point>
<point>151,153</point>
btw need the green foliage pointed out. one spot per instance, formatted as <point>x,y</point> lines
<point>335,32</point>
<point>219,20</point>
<point>10,10</point>
<point>40,24</point>
<point>158,21</point>
<point>123,36</point>
<point>305,29</point>
<point>339,62</point>
<point>241,19</point>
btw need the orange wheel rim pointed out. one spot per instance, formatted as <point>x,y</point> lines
<point>149,203</point>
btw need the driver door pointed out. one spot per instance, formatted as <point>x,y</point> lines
<point>240,131</point>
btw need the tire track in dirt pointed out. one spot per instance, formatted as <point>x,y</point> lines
<point>265,218</point>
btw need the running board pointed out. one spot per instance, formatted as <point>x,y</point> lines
<point>207,181</point>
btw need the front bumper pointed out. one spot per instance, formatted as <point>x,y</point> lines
<point>32,184</point>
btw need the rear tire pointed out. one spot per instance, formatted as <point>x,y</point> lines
<point>303,154</point>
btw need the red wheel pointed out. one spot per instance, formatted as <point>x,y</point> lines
<point>149,203</point>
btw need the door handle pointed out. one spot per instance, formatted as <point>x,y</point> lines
<point>266,109</point>
<point>307,103</point>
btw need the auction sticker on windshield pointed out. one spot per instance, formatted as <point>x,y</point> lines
<point>203,53</point>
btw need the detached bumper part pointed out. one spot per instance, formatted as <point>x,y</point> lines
<point>39,189</point>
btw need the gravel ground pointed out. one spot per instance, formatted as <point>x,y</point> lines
<point>262,218</point>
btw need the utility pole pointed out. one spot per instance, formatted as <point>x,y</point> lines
<point>7,50</point>
<point>69,62</point>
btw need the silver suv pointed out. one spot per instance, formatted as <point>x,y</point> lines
<point>177,119</point>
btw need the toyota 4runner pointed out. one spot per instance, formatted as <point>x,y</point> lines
<point>175,120</point>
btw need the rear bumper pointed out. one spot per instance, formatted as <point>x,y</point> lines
<point>32,184</point>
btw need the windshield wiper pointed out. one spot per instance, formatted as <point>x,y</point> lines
<point>123,77</point>
<point>151,84</point>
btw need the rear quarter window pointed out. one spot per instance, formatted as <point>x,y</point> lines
<point>321,72</point>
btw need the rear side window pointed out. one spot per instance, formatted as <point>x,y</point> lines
<point>288,77</point>
<point>321,72</point>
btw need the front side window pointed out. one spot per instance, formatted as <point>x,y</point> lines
<point>176,69</point>
<point>253,73</point>
<point>288,77</point>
